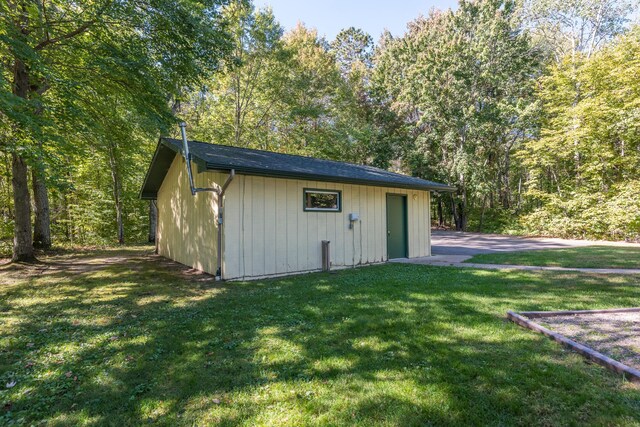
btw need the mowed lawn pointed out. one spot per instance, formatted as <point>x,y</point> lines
<point>587,257</point>
<point>123,338</point>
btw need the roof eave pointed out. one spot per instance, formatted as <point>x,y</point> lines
<point>204,165</point>
<point>445,189</point>
<point>145,195</point>
<point>335,179</point>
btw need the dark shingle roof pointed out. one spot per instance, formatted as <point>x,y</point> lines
<point>265,163</point>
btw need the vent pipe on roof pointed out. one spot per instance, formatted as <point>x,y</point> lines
<point>219,191</point>
<point>187,158</point>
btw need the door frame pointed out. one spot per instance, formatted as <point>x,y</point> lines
<point>405,198</point>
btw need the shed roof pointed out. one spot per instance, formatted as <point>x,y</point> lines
<point>266,163</point>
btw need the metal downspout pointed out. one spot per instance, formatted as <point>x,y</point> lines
<point>223,190</point>
<point>219,192</point>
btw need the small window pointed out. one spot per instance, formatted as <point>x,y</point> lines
<point>322,200</point>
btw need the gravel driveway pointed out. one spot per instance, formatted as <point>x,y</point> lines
<point>460,243</point>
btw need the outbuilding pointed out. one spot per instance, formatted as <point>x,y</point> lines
<point>243,213</point>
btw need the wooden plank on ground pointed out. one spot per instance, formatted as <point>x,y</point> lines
<point>599,358</point>
<point>533,314</point>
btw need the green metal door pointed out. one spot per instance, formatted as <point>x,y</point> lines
<point>396,226</point>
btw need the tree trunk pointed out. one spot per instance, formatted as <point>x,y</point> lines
<point>41,224</point>
<point>67,211</point>
<point>117,193</point>
<point>462,216</point>
<point>461,220</point>
<point>454,213</point>
<point>238,109</point>
<point>23,240</point>
<point>119,221</point>
<point>520,193</point>
<point>440,213</point>
<point>506,196</point>
<point>576,122</point>
<point>153,220</point>
<point>460,212</point>
<point>484,207</point>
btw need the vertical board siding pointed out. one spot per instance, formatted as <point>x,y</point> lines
<point>280,251</point>
<point>233,225</point>
<point>267,232</point>
<point>258,230</point>
<point>427,209</point>
<point>187,227</point>
<point>291,218</point>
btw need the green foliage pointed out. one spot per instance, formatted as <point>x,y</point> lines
<point>584,169</point>
<point>463,80</point>
<point>353,50</point>
<point>494,220</point>
<point>99,76</point>
<point>234,106</point>
<point>530,109</point>
<point>6,205</point>
<point>565,27</point>
<point>293,93</point>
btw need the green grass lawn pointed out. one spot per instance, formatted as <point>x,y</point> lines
<point>587,257</point>
<point>141,341</point>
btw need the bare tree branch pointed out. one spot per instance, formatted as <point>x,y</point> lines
<point>71,34</point>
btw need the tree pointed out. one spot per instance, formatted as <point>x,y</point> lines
<point>573,30</point>
<point>353,50</point>
<point>603,202</point>
<point>568,27</point>
<point>462,79</point>
<point>236,105</point>
<point>56,50</point>
<point>307,122</point>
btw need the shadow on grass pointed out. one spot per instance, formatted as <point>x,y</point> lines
<point>138,341</point>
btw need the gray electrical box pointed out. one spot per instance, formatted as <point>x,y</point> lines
<point>354,217</point>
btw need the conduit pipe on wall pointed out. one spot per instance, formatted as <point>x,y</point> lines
<point>187,158</point>
<point>232,174</point>
<point>219,192</point>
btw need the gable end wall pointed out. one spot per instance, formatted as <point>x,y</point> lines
<point>187,228</point>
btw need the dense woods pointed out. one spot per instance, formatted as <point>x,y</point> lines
<point>531,109</point>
